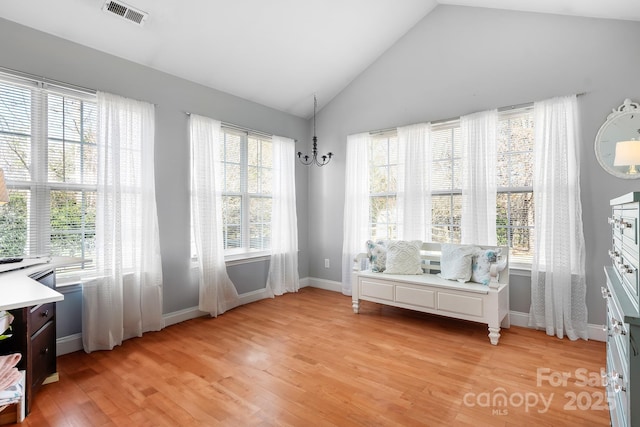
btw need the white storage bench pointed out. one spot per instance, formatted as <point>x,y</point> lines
<point>429,293</point>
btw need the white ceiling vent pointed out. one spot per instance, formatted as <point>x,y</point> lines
<point>125,11</point>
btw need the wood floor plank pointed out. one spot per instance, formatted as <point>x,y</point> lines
<point>306,359</point>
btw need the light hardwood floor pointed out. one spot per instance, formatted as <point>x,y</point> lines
<point>306,359</point>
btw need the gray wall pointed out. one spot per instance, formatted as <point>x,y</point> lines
<point>456,61</point>
<point>460,60</point>
<point>37,53</point>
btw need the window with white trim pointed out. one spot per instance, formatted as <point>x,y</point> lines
<point>246,173</point>
<point>446,182</point>
<point>515,208</point>
<point>383,187</point>
<point>515,201</point>
<point>48,154</point>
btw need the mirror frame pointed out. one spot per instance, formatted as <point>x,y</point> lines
<point>603,146</point>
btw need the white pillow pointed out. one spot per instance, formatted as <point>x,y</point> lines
<point>403,257</point>
<point>455,261</point>
<point>481,264</point>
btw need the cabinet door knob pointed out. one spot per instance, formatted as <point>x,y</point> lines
<point>618,388</point>
<point>618,327</point>
<point>45,313</point>
<point>44,351</point>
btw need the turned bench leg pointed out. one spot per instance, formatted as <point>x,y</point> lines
<point>494,334</point>
<point>356,305</point>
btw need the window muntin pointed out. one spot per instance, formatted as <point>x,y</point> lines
<point>446,182</point>
<point>383,187</point>
<point>515,200</point>
<point>48,153</point>
<point>259,187</point>
<point>247,165</point>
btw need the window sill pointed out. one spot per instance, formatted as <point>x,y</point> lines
<point>246,258</point>
<point>67,280</point>
<point>517,269</point>
<point>237,259</point>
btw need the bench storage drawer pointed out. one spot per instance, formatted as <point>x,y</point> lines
<point>374,289</point>
<point>460,304</point>
<point>420,297</point>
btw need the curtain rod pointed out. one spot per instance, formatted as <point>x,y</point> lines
<point>244,129</point>
<point>36,78</point>
<point>441,121</point>
<point>240,128</point>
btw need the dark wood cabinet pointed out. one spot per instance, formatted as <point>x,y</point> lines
<point>34,336</point>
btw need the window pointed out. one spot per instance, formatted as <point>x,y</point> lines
<point>48,153</point>
<point>515,202</point>
<point>446,179</point>
<point>246,195</point>
<point>383,186</point>
<point>515,209</point>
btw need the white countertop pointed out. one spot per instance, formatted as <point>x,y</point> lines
<point>18,290</point>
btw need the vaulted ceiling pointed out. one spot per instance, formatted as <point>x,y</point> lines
<point>278,53</point>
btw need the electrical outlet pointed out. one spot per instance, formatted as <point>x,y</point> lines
<point>326,263</point>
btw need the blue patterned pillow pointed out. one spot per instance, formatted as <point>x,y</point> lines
<point>377,254</point>
<point>481,265</point>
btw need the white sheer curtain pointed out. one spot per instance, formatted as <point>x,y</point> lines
<point>356,204</point>
<point>558,284</point>
<point>125,299</point>
<point>283,268</point>
<point>217,292</point>
<point>479,186</point>
<point>414,185</point>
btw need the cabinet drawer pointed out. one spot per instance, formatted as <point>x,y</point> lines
<point>420,297</point>
<point>629,229</point>
<point>39,315</point>
<point>618,330</point>
<point>618,397</point>
<point>460,304</point>
<point>628,272</point>
<point>43,354</point>
<point>373,289</point>
<point>616,350</point>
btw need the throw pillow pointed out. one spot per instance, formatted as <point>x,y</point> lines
<point>455,261</point>
<point>403,257</point>
<point>481,265</point>
<point>377,254</point>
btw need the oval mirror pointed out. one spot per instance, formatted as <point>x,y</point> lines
<point>618,142</point>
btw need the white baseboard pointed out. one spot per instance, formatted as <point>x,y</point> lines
<point>518,318</point>
<point>72,343</point>
<point>181,315</point>
<point>68,344</point>
<point>253,296</point>
<point>329,285</point>
<point>595,332</point>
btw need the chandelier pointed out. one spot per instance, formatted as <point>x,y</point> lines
<point>313,159</point>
